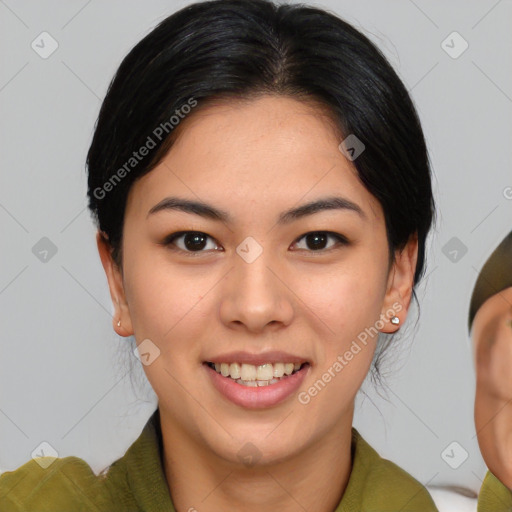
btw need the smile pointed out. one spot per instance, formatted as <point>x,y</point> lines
<point>254,376</point>
<point>257,386</point>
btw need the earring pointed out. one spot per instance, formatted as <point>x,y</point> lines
<point>395,320</point>
<point>119,323</point>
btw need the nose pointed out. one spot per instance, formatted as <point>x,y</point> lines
<point>255,295</point>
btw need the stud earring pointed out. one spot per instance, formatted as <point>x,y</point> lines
<point>119,323</point>
<point>395,320</point>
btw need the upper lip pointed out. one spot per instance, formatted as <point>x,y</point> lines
<point>273,356</point>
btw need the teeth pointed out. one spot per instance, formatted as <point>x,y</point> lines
<point>264,372</point>
<point>259,383</point>
<point>278,370</point>
<point>234,370</point>
<point>252,375</point>
<point>248,372</point>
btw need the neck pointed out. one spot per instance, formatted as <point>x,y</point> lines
<point>201,481</point>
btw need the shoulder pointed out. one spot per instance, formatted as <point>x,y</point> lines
<point>54,484</point>
<point>494,495</point>
<point>48,484</point>
<point>383,484</point>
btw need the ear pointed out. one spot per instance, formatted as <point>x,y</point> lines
<point>400,285</point>
<point>116,285</point>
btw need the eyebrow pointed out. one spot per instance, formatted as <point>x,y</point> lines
<point>210,212</point>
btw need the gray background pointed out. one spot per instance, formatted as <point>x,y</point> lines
<point>64,373</point>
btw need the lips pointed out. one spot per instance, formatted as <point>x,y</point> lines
<point>271,357</point>
<point>257,381</point>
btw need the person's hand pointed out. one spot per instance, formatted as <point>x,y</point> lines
<point>492,342</point>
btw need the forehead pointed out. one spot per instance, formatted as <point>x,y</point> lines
<point>260,123</point>
<point>264,151</point>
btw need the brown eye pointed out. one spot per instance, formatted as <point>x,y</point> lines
<point>189,241</point>
<point>317,240</point>
<point>197,241</point>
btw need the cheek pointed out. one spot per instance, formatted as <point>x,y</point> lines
<point>349,299</point>
<point>165,301</point>
<point>345,351</point>
<point>349,302</point>
<point>166,307</point>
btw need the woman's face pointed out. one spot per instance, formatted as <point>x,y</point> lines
<point>253,283</point>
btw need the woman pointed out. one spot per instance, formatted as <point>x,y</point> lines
<point>262,191</point>
<point>490,324</point>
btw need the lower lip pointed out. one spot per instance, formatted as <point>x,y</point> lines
<point>257,397</point>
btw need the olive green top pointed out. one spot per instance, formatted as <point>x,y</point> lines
<point>136,482</point>
<point>494,496</point>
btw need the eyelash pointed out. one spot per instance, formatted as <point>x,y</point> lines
<point>170,239</point>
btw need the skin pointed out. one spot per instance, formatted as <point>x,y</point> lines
<point>255,160</point>
<point>492,343</point>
